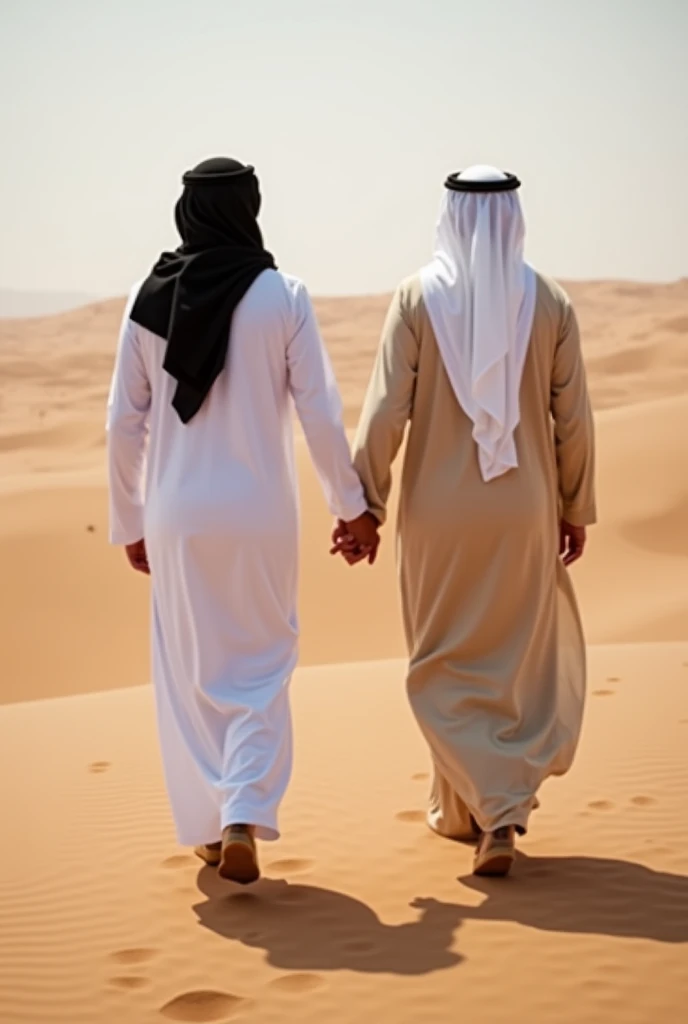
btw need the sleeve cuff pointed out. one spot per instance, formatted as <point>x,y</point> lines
<point>348,512</point>
<point>581,516</point>
<point>121,535</point>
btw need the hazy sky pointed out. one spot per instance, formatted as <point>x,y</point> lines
<point>353,112</point>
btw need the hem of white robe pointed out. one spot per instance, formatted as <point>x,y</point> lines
<point>266,833</point>
<point>260,813</point>
<point>265,826</point>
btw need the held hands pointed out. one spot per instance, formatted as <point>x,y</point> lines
<point>357,539</point>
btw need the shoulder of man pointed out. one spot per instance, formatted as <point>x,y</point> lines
<point>289,281</point>
<point>129,306</point>
<point>293,287</point>
<point>554,302</point>
<point>292,298</point>
<point>133,295</point>
<point>408,297</point>
<point>280,291</point>
<point>552,292</point>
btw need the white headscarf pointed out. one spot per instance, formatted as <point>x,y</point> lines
<point>480,297</point>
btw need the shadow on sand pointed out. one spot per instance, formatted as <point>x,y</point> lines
<point>306,928</point>
<point>589,896</point>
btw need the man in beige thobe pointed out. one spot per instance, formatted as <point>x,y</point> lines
<point>481,356</point>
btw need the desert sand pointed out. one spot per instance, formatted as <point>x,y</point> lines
<point>363,914</point>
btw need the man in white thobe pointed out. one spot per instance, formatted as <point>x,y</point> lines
<point>214,346</point>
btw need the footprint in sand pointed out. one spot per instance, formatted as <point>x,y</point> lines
<point>129,982</point>
<point>603,693</point>
<point>202,1006</point>
<point>297,984</point>
<point>420,777</point>
<point>643,801</point>
<point>177,862</point>
<point>601,805</point>
<point>291,866</point>
<point>98,767</point>
<point>410,817</point>
<point>133,956</point>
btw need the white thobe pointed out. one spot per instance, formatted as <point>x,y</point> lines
<point>217,503</point>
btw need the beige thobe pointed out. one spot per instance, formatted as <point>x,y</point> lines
<point>497,658</point>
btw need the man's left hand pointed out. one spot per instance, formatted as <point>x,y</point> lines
<point>572,540</point>
<point>138,558</point>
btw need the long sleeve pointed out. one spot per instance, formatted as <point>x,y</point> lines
<point>387,407</point>
<point>574,428</point>
<point>127,428</point>
<point>319,407</point>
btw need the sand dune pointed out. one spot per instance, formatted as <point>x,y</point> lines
<point>56,368</point>
<point>363,914</point>
<point>65,585</point>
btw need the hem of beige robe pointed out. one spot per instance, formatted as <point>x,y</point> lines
<point>379,513</point>
<point>518,817</point>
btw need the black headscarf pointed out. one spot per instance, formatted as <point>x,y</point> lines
<point>190,295</point>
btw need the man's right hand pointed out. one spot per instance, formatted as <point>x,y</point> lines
<point>572,540</point>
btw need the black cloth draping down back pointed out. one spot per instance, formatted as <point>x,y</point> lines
<point>190,295</point>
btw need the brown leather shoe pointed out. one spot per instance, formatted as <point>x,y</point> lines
<point>239,858</point>
<point>210,853</point>
<point>496,853</point>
